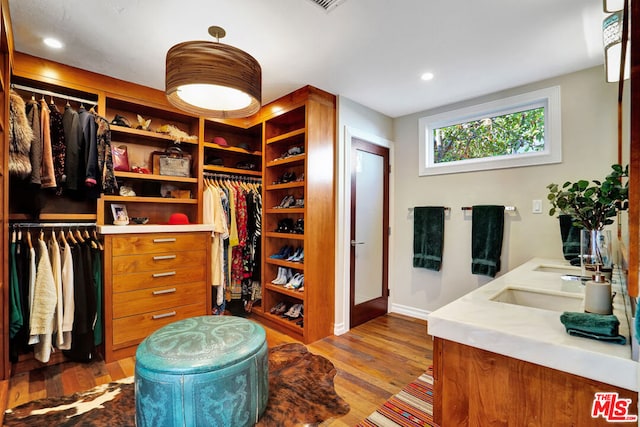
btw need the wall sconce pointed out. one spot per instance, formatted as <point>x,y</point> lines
<point>212,79</point>
<point>612,39</point>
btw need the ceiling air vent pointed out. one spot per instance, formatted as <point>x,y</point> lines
<point>327,4</point>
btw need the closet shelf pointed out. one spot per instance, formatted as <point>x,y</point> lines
<point>154,177</point>
<point>284,291</point>
<point>232,149</point>
<point>286,136</point>
<point>293,159</point>
<point>236,171</point>
<point>292,236</point>
<point>53,217</point>
<point>285,211</point>
<point>281,321</point>
<point>126,199</point>
<point>285,263</point>
<point>296,184</point>
<point>161,137</point>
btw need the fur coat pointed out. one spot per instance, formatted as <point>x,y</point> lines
<point>20,137</point>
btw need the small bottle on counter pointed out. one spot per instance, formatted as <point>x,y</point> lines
<point>597,296</point>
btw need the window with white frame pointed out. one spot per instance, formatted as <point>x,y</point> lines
<point>521,130</point>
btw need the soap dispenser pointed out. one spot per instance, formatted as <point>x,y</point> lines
<point>597,296</point>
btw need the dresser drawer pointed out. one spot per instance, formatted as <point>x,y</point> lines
<point>128,331</point>
<point>133,244</point>
<point>160,298</point>
<point>152,279</point>
<point>159,261</point>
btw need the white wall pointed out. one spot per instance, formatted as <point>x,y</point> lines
<point>357,120</point>
<point>589,114</point>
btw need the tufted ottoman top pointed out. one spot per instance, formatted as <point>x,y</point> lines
<point>200,344</point>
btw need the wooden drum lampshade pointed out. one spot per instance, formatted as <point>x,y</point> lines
<point>212,79</point>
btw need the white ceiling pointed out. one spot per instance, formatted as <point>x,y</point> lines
<point>371,51</point>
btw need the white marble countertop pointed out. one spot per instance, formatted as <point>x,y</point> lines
<point>152,228</point>
<point>537,335</point>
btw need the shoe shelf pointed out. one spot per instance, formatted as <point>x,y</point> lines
<point>285,211</point>
<point>290,325</point>
<point>298,158</point>
<point>295,136</point>
<point>285,263</point>
<point>293,236</point>
<point>285,291</point>
<point>285,186</point>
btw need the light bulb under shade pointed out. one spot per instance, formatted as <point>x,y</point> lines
<point>612,40</point>
<point>200,76</point>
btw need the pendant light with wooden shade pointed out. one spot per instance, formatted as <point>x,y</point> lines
<point>212,79</point>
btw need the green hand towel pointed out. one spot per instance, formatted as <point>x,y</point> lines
<point>487,227</point>
<point>603,327</point>
<point>428,237</point>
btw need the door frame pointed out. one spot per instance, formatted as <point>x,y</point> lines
<point>343,226</point>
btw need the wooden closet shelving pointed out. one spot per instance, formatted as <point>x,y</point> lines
<point>305,120</point>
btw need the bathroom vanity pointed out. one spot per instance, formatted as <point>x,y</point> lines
<point>502,356</point>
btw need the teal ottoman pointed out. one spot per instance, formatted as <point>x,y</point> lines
<point>203,371</point>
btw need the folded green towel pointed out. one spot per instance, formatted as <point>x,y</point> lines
<point>603,327</point>
<point>428,237</point>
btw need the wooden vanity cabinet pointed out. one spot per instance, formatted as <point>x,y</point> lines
<point>475,387</point>
<point>151,280</point>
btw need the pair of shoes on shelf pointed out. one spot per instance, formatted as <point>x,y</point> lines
<point>294,312</point>
<point>285,226</point>
<point>285,252</point>
<point>284,276</point>
<point>297,256</point>
<point>279,309</point>
<point>295,282</point>
<point>285,178</point>
<point>299,227</point>
<point>287,202</point>
<point>299,203</point>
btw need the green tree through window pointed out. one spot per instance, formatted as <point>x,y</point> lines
<point>515,133</point>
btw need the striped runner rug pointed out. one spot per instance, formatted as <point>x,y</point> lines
<point>413,406</point>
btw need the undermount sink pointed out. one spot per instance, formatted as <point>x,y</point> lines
<point>562,269</point>
<point>543,299</point>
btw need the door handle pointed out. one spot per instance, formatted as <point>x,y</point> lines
<point>353,243</point>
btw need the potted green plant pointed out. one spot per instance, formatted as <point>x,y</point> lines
<point>592,206</point>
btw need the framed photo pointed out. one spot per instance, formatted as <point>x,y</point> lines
<point>120,215</point>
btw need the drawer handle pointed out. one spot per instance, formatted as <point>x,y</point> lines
<point>167,240</point>
<point>168,273</point>
<point>161,257</point>
<point>164,291</point>
<point>163,315</point>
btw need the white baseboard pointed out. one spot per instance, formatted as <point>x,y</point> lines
<point>409,311</point>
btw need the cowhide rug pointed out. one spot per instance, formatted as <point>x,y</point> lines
<point>301,392</point>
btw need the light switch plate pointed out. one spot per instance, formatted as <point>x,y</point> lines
<point>536,206</point>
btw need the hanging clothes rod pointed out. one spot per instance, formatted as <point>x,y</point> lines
<point>231,176</point>
<point>506,208</point>
<point>57,95</point>
<point>52,224</point>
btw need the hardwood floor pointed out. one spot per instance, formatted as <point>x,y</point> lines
<point>373,361</point>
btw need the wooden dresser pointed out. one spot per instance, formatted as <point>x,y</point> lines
<point>152,279</point>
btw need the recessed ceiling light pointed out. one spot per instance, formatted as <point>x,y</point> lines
<point>54,43</point>
<point>427,76</point>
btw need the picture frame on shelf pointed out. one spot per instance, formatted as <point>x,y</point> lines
<point>120,215</point>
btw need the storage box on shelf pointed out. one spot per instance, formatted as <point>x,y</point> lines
<point>155,192</point>
<point>152,280</point>
<point>298,212</point>
<point>232,149</point>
